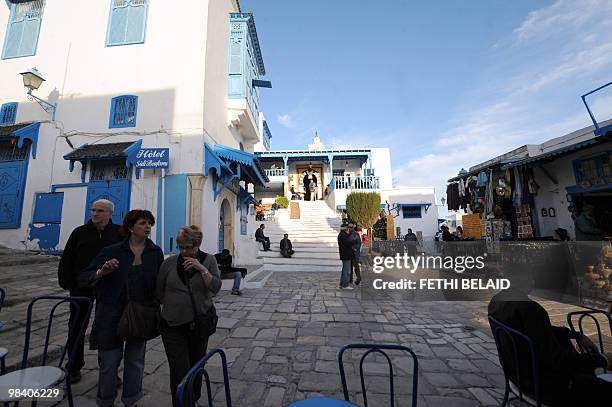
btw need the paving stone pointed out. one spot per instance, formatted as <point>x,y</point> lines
<point>441,379</point>
<point>435,401</point>
<point>482,396</point>
<point>314,381</point>
<point>243,332</point>
<point>462,364</point>
<point>267,334</point>
<point>275,397</point>
<point>258,353</point>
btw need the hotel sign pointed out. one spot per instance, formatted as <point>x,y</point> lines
<point>152,158</point>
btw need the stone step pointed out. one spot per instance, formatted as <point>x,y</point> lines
<point>18,259</point>
<point>301,268</point>
<point>303,261</point>
<point>301,253</point>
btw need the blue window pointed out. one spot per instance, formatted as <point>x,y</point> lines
<point>48,207</point>
<point>127,23</point>
<point>23,29</point>
<point>123,111</point>
<point>8,113</point>
<point>411,211</point>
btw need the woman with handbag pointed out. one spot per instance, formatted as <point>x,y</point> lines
<point>127,313</point>
<point>185,286</point>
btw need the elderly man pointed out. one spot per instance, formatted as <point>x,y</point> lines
<point>84,244</point>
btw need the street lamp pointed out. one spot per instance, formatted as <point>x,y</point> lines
<point>32,79</point>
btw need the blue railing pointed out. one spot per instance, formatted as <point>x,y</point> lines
<point>276,172</point>
<point>348,182</point>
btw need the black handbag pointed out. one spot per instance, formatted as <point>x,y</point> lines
<point>139,322</point>
<point>204,324</point>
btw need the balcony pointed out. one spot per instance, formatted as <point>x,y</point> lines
<point>348,182</point>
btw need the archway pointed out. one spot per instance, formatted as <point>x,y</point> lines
<point>226,238</point>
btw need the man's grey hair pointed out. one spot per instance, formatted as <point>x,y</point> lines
<point>107,203</point>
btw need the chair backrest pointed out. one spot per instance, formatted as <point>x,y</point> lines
<point>79,304</point>
<point>184,392</point>
<point>517,355</point>
<point>2,295</point>
<point>380,349</point>
<point>592,316</point>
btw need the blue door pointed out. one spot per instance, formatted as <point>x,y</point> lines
<point>221,244</point>
<point>109,180</point>
<point>13,170</point>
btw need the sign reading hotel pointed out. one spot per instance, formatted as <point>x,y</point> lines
<point>152,158</point>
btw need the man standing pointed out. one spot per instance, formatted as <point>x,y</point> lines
<point>260,237</point>
<point>356,246</point>
<point>286,247</point>
<point>84,244</point>
<point>411,240</point>
<point>345,249</point>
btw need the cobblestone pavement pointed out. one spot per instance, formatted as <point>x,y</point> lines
<point>282,342</point>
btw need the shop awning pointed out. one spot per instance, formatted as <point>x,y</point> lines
<point>107,151</point>
<point>559,152</point>
<point>22,132</point>
<point>247,165</point>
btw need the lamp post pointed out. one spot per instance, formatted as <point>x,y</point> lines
<point>32,79</point>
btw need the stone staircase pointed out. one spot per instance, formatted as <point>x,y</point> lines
<point>314,237</point>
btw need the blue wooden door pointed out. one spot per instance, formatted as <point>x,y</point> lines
<point>221,244</point>
<point>109,180</point>
<point>13,170</point>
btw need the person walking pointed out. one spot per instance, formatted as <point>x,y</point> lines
<point>345,250</point>
<point>126,271</point>
<point>260,237</point>
<point>356,246</point>
<point>84,244</point>
<point>185,286</point>
<point>286,247</point>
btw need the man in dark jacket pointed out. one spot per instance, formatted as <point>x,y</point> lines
<point>286,247</point>
<point>566,377</point>
<point>84,244</point>
<point>411,242</point>
<point>260,237</point>
<point>345,249</point>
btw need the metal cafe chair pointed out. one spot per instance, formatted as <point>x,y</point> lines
<point>507,341</point>
<point>184,392</point>
<point>590,315</point>
<point>46,376</point>
<point>379,349</point>
<point>3,351</point>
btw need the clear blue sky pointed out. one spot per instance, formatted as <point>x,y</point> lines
<point>444,84</point>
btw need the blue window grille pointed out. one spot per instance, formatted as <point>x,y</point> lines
<point>411,211</point>
<point>23,28</point>
<point>8,113</point>
<point>127,23</point>
<point>123,111</point>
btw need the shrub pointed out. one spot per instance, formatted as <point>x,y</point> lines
<point>282,201</point>
<point>363,208</point>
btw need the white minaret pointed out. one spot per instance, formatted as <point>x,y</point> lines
<point>316,143</point>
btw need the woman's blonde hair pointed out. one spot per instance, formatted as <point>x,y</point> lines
<point>191,234</point>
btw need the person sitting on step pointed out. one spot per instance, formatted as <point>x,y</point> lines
<point>260,237</point>
<point>286,247</point>
<point>224,261</point>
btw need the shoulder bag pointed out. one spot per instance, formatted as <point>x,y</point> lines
<point>139,322</point>
<point>204,324</point>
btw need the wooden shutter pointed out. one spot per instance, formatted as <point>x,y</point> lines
<point>127,22</point>
<point>23,29</point>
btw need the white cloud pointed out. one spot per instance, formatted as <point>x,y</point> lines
<point>285,120</point>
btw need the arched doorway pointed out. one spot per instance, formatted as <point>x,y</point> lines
<point>226,237</point>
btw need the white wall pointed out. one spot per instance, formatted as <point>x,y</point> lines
<point>381,163</point>
<point>428,223</point>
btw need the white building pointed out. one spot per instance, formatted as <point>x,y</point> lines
<point>340,172</point>
<point>124,82</point>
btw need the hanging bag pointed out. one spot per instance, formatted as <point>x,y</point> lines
<point>139,322</point>
<point>204,324</point>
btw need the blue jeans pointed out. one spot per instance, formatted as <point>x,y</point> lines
<point>133,371</point>
<point>237,278</point>
<point>346,273</point>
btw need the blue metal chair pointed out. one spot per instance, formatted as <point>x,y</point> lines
<point>379,348</point>
<point>507,341</point>
<point>590,314</point>
<point>47,376</point>
<point>3,351</point>
<point>184,392</point>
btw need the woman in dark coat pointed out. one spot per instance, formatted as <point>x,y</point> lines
<point>126,270</point>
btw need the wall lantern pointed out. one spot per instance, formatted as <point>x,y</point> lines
<point>32,79</point>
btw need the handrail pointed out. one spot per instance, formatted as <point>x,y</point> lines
<point>361,182</point>
<point>276,172</point>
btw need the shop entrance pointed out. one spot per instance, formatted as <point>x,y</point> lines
<point>297,181</point>
<point>109,180</point>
